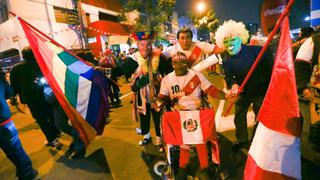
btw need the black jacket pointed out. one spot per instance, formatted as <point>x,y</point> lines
<point>236,68</point>
<point>22,79</point>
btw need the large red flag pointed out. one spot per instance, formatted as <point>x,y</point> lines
<point>275,150</point>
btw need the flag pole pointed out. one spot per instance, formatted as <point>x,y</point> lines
<point>270,37</point>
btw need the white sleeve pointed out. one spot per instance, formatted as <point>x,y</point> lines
<point>305,51</point>
<point>164,90</point>
<point>206,47</point>
<point>168,52</point>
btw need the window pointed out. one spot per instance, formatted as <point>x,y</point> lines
<point>108,17</point>
<point>3,12</point>
<point>67,16</point>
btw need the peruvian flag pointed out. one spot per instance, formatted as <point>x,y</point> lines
<point>188,127</point>
<point>275,150</point>
<point>191,127</point>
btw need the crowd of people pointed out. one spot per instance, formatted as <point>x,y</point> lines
<point>161,80</point>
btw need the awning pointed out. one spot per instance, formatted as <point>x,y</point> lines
<point>107,28</point>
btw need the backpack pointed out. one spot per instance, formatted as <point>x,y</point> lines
<point>316,48</point>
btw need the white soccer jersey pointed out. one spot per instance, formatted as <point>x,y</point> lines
<point>172,86</point>
<point>306,51</point>
<point>206,48</point>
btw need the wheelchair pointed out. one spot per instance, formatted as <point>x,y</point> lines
<point>171,170</point>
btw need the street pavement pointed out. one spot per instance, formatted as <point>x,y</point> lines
<point>116,154</point>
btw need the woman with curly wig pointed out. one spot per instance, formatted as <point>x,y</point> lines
<point>232,36</point>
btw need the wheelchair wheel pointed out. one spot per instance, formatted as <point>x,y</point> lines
<point>159,167</point>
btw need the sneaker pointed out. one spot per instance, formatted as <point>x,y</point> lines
<point>138,130</point>
<point>55,144</point>
<point>145,141</point>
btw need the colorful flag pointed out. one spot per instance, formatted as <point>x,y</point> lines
<point>275,150</point>
<point>80,89</point>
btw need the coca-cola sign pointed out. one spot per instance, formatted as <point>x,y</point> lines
<point>270,12</point>
<point>275,11</point>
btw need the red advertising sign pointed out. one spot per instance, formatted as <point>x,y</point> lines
<point>270,12</point>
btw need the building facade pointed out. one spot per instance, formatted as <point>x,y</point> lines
<point>62,20</point>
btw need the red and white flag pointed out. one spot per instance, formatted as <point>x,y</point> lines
<point>191,127</point>
<point>275,150</point>
<point>188,127</point>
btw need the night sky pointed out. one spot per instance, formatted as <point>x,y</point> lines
<point>246,11</point>
<point>239,10</point>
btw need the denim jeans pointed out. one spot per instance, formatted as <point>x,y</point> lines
<point>11,145</point>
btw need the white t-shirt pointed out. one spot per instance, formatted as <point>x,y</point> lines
<point>172,86</point>
<point>206,48</point>
<point>306,51</point>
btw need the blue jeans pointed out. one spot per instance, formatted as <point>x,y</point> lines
<point>11,145</point>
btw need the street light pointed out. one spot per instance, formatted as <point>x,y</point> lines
<point>307,18</point>
<point>201,6</point>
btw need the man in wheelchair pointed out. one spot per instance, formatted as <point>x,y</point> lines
<point>183,89</point>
